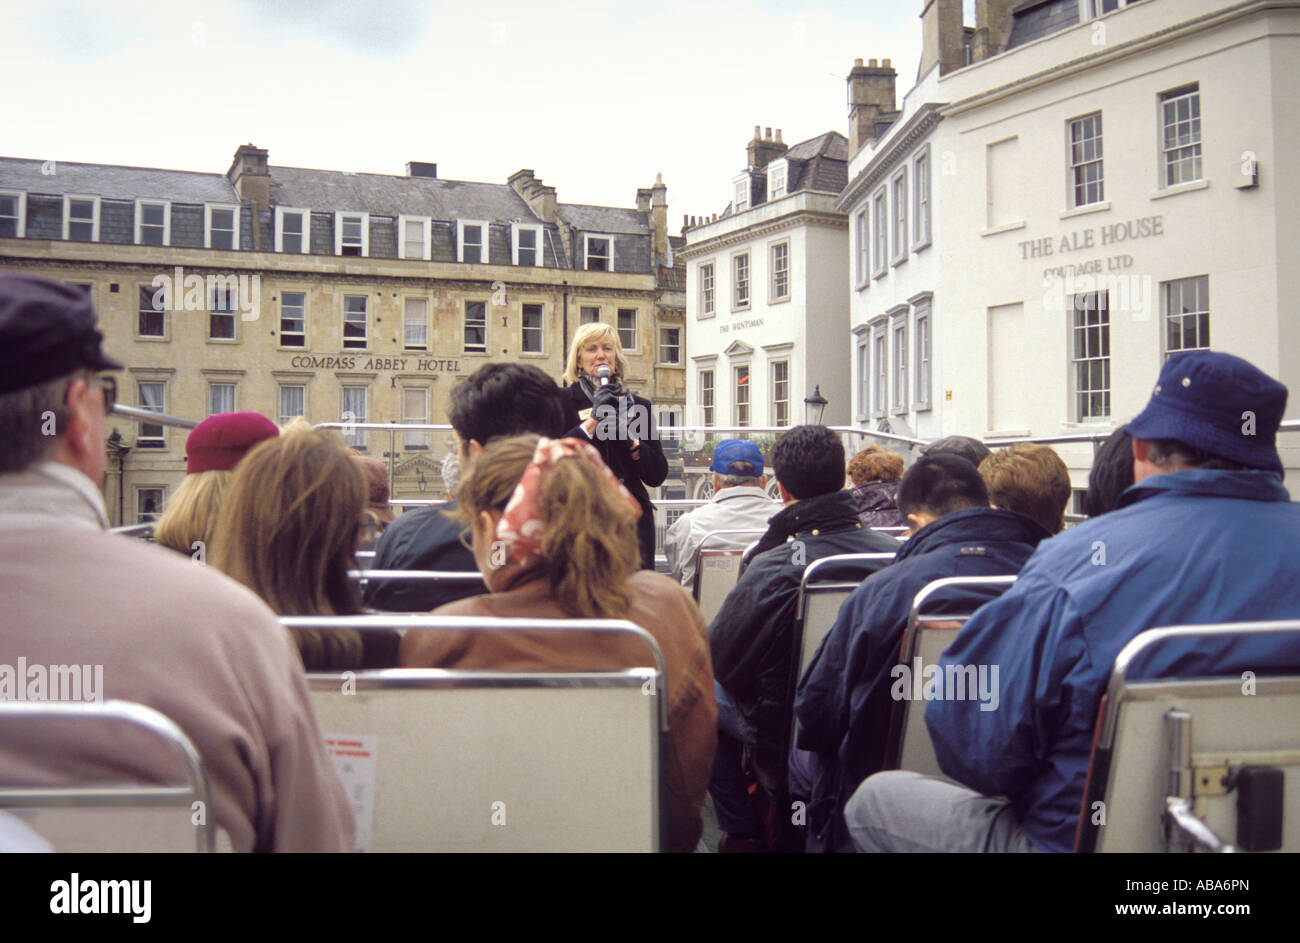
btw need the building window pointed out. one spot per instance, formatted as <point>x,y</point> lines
<point>472,244</point>
<point>900,215</point>
<point>670,345</point>
<point>921,199</point>
<point>740,188</point>
<point>476,327</point>
<point>221,312</point>
<point>415,408</point>
<point>740,280</point>
<point>589,314</point>
<point>1096,8</point>
<point>741,398</point>
<point>1091,357</point>
<point>923,358</point>
<point>864,379</point>
<point>413,237</point>
<point>81,218</point>
<point>781,393</point>
<point>706,290</point>
<point>352,234</point>
<point>863,254</point>
<point>153,316</point>
<point>152,224</point>
<point>13,214</point>
<point>776,174</point>
<point>291,230</point>
<point>780,271</point>
<point>222,226</point>
<point>153,397</point>
<point>1180,113</point>
<point>627,328</point>
<point>706,397</point>
<point>880,350</point>
<point>900,365</point>
<point>293,319</point>
<point>221,398</point>
<point>415,322</point>
<point>292,403</point>
<point>1085,160</point>
<point>354,411</point>
<point>598,252</point>
<point>880,221</point>
<point>530,339</point>
<point>354,322</point>
<point>148,505</point>
<point>1187,314</point>
<point>527,244</point>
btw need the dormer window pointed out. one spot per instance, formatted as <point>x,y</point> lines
<point>221,226</point>
<point>776,179</point>
<point>292,230</point>
<point>352,234</point>
<point>740,201</point>
<point>81,218</point>
<point>413,237</point>
<point>152,223</point>
<point>526,244</point>
<point>598,251</point>
<point>473,244</point>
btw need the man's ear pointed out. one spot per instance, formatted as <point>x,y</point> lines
<point>786,496</point>
<point>77,437</point>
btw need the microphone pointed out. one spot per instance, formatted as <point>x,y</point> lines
<point>603,372</point>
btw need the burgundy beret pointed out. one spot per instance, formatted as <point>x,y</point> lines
<point>220,441</point>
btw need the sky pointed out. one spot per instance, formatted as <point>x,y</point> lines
<point>595,97</point>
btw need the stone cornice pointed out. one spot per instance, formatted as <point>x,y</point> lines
<point>794,220</point>
<point>917,127</point>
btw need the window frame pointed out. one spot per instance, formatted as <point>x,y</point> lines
<point>773,368</point>
<point>664,347</point>
<point>862,256</point>
<point>1075,167</point>
<point>739,403</point>
<point>465,326</point>
<point>707,404</point>
<point>153,292</point>
<point>306,229</point>
<point>900,362</point>
<point>151,442</point>
<point>738,205</point>
<point>879,357</point>
<point>921,199</point>
<point>357,438</point>
<point>68,200</point>
<point>415,440</point>
<point>1167,316</point>
<point>426,226</point>
<point>773,296</point>
<point>234,222</point>
<point>708,290</point>
<point>539,330</point>
<point>340,217</point>
<point>618,326</point>
<point>582,314</point>
<point>1081,415</point>
<point>162,503</point>
<point>736,282</point>
<point>515,247</point>
<point>20,219</point>
<point>923,365</point>
<point>879,216</point>
<point>406,322</point>
<point>779,167</point>
<point>1171,97</point>
<point>862,350</point>
<point>899,223</point>
<point>234,395</point>
<point>166,205</point>
<point>354,343</point>
<point>286,418</point>
<point>282,333</point>
<point>231,311</point>
<point>587,237</point>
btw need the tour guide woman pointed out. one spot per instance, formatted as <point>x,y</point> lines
<point>624,435</point>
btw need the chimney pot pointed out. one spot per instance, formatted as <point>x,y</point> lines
<point>857,63</point>
<point>767,134</point>
<point>871,64</point>
<point>758,133</point>
<point>884,64</point>
<point>778,136</point>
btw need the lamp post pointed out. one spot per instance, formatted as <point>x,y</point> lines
<point>814,406</point>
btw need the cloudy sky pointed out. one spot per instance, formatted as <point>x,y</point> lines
<point>596,96</point>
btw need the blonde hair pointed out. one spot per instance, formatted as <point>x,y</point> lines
<point>1029,479</point>
<point>192,512</point>
<point>875,464</point>
<point>587,333</point>
<point>288,530</point>
<point>588,547</point>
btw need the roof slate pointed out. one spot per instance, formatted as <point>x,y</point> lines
<point>114,182</point>
<point>609,219</point>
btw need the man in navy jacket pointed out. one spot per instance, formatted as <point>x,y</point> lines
<point>843,702</point>
<point>1207,534</point>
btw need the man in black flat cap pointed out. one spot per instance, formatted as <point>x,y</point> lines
<point>193,645</point>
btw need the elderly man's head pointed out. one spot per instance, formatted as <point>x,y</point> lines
<point>737,463</point>
<point>52,401</point>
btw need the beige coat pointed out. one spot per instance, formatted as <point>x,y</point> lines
<point>178,637</point>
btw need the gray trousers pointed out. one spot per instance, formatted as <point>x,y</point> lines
<point>908,812</point>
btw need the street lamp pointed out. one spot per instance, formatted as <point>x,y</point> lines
<point>814,406</point>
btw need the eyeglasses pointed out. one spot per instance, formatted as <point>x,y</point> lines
<point>108,386</point>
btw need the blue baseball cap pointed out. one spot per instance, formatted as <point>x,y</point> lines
<point>1219,404</point>
<point>730,451</point>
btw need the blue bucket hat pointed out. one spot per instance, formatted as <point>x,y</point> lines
<point>1219,404</point>
<point>730,451</point>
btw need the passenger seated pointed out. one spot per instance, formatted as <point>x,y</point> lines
<point>1029,479</point>
<point>1207,534</point>
<point>875,473</point>
<point>845,697</point>
<point>212,450</point>
<point>1111,474</point>
<point>554,534</point>
<point>378,513</point>
<point>289,530</point>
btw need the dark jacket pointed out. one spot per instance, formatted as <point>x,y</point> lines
<point>877,504</point>
<point>752,637</point>
<point>651,468</point>
<point>843,700</point>
<point>423,539</point>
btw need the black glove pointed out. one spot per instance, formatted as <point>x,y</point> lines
<point>605,396</point>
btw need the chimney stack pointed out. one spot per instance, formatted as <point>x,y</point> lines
<point>251,177</point>
<point>943,36</point>
<point>992,28</point>
<point>659,217</point>
<point>539,197</point>
<point>763,150</point>
<point>872,90</point>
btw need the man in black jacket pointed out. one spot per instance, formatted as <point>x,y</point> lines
<point>752,638</point>
<point>497,399</point>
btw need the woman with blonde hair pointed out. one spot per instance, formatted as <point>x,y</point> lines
<point>619,424</point>
<point>212,450</point>
<point>288,531</point>
<point>552,534</point>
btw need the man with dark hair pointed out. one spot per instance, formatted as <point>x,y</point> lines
<point>1207,534</point>
<point>159,631</point>
<point>845,699</point>
<point>497,399</point>
<point>752,636</point>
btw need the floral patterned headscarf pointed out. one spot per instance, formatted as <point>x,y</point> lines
<point>521,526</point>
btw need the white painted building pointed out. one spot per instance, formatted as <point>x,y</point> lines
<point>765,306</point>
